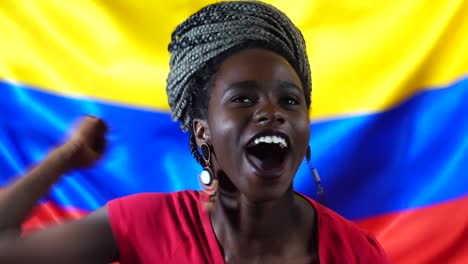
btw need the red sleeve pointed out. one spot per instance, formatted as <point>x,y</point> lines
<point>376,251</point>
<point>132,218</point>
<point>120,223</point>
<point>341,241</point>
<point>158,228</point>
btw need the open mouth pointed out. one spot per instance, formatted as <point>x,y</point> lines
<point>268,152</point>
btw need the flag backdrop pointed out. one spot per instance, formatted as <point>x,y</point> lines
<point>389,118</point>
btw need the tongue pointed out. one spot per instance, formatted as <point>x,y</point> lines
<point>265,163</point>
<point>266,156</point>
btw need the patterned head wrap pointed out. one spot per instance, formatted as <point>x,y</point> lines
<point>223,26</point>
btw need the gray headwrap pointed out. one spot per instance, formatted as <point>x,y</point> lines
<point>220,27</point>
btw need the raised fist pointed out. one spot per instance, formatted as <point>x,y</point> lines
<point>86,144</point>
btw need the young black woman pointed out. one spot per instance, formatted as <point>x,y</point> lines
<point>240,85</point>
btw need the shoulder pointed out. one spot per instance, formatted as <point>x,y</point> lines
<point>154,219</point>
<point>150,202</point>
<point>154,208</point>
<point>338,234</point>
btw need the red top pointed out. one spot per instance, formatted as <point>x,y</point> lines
<point>172,228</point>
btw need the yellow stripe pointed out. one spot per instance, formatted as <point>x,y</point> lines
<point>365,55</point>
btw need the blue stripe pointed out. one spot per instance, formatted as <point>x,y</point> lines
<point>413,155</point>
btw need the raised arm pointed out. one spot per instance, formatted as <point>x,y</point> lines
<point>88,240</point>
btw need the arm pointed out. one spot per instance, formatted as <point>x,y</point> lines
<point>17,200</point>
<point>88,240</point>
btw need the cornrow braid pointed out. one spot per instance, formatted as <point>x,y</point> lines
<point>200,44</point>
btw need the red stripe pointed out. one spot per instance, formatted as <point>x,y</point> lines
<point>433,234</point>
<point>49,213</point>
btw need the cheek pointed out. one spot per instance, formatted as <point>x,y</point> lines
<point>227,124</point>
<point>221,126</point>
<point>225,142</point>
<point>303,128</point>
<point>306,126</point>
<point>224,135</point>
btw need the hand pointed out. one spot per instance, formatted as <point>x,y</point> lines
<point>87,143</point>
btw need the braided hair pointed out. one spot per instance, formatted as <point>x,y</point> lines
<point>200,44</point>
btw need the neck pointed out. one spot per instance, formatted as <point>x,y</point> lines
<point>246,228</point>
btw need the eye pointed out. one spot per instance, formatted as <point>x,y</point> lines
<point>242,100</point>
<point>289,100</point>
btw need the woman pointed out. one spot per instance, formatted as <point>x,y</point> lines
<point>240,85</point>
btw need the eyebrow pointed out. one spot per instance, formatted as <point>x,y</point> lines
<point>288,85</point>
<point>255,84</point>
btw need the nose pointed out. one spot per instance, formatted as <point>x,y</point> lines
<point>268,113</point>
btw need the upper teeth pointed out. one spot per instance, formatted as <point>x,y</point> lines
<point>272,139</point>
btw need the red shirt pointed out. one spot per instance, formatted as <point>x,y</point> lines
<point>172,228</point>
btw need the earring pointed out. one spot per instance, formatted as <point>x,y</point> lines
<point>318,183</point>
<point>208,180</point>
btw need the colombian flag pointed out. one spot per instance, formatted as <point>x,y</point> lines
<point>389,117</point>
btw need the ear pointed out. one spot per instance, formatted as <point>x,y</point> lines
<point>201,131</point>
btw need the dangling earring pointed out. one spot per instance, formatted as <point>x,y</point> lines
<point>208,180</point>
<point>320,191</point>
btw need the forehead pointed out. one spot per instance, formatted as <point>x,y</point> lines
<point>255,65</point>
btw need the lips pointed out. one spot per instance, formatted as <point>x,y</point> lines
<point>267,153</point>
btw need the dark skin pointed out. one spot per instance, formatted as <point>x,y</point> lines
<point>254,91</point>
<point>263,221</point>
<point>88,240</point>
